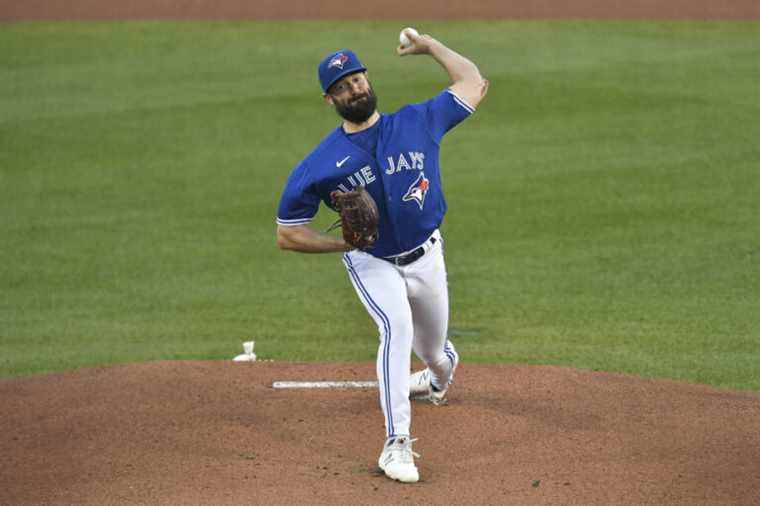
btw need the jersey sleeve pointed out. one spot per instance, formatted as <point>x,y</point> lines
<point>298,203</point>
<point>444,112</point>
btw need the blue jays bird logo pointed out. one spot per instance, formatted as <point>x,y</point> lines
<point>418,190</point>
<point>339,60</point>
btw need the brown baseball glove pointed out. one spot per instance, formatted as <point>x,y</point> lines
<point>358,217</point>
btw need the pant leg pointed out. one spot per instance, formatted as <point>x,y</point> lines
<point>429,302</point>
<point>382,290</point>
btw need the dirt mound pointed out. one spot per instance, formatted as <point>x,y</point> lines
<point>217,433</point>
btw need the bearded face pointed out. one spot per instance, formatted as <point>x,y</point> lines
<point>354,99</point>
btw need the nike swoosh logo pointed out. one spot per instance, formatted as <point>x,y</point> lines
<point>338,164</point>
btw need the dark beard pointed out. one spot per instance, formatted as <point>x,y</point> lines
<point>360,110</point>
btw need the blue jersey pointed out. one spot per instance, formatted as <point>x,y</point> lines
<point>396,160</point>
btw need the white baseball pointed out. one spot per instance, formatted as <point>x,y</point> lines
<point>403,39</point>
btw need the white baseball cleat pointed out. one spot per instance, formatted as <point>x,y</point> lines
<point>421,385</point>
<point>421,388</point>
<point>397,460</point>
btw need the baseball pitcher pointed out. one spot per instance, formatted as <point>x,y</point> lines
<point>381,173</point>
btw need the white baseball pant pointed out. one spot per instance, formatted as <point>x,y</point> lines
<point>410,305</point>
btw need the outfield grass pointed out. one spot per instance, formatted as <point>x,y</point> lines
<point>604,208</point>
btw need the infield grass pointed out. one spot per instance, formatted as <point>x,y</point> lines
<point>604,208</point>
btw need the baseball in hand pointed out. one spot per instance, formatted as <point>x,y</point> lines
<point>403,39</point>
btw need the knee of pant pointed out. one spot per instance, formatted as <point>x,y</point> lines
<point>398,328</point>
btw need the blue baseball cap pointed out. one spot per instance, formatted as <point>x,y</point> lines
<point>338,65</point>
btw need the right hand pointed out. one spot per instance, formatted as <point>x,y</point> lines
<point>419,44</point>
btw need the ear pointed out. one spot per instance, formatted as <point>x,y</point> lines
<point>328,99</point>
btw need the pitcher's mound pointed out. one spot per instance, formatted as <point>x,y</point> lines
<point>217,433</point>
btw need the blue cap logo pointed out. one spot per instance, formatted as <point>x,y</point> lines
<point>337,65</point>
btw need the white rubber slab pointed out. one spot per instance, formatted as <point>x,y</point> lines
<point>324,384</point>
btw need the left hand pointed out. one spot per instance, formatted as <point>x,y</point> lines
<point>359,216</point>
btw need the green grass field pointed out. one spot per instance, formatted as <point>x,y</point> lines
<point>604,208</point>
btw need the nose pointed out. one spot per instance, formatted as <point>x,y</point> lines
<point>356,87</point>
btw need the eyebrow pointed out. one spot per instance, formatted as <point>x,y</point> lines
<point>344,80</point>
<point>350,77</point>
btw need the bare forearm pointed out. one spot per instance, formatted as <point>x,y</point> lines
<point>307,240</point>
<point>466,81</point>
<point>458,67</point>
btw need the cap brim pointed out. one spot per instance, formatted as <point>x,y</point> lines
<point>343,74</point>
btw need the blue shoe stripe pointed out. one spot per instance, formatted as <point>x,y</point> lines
<point>448,349</point>
<point>386,345</point>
